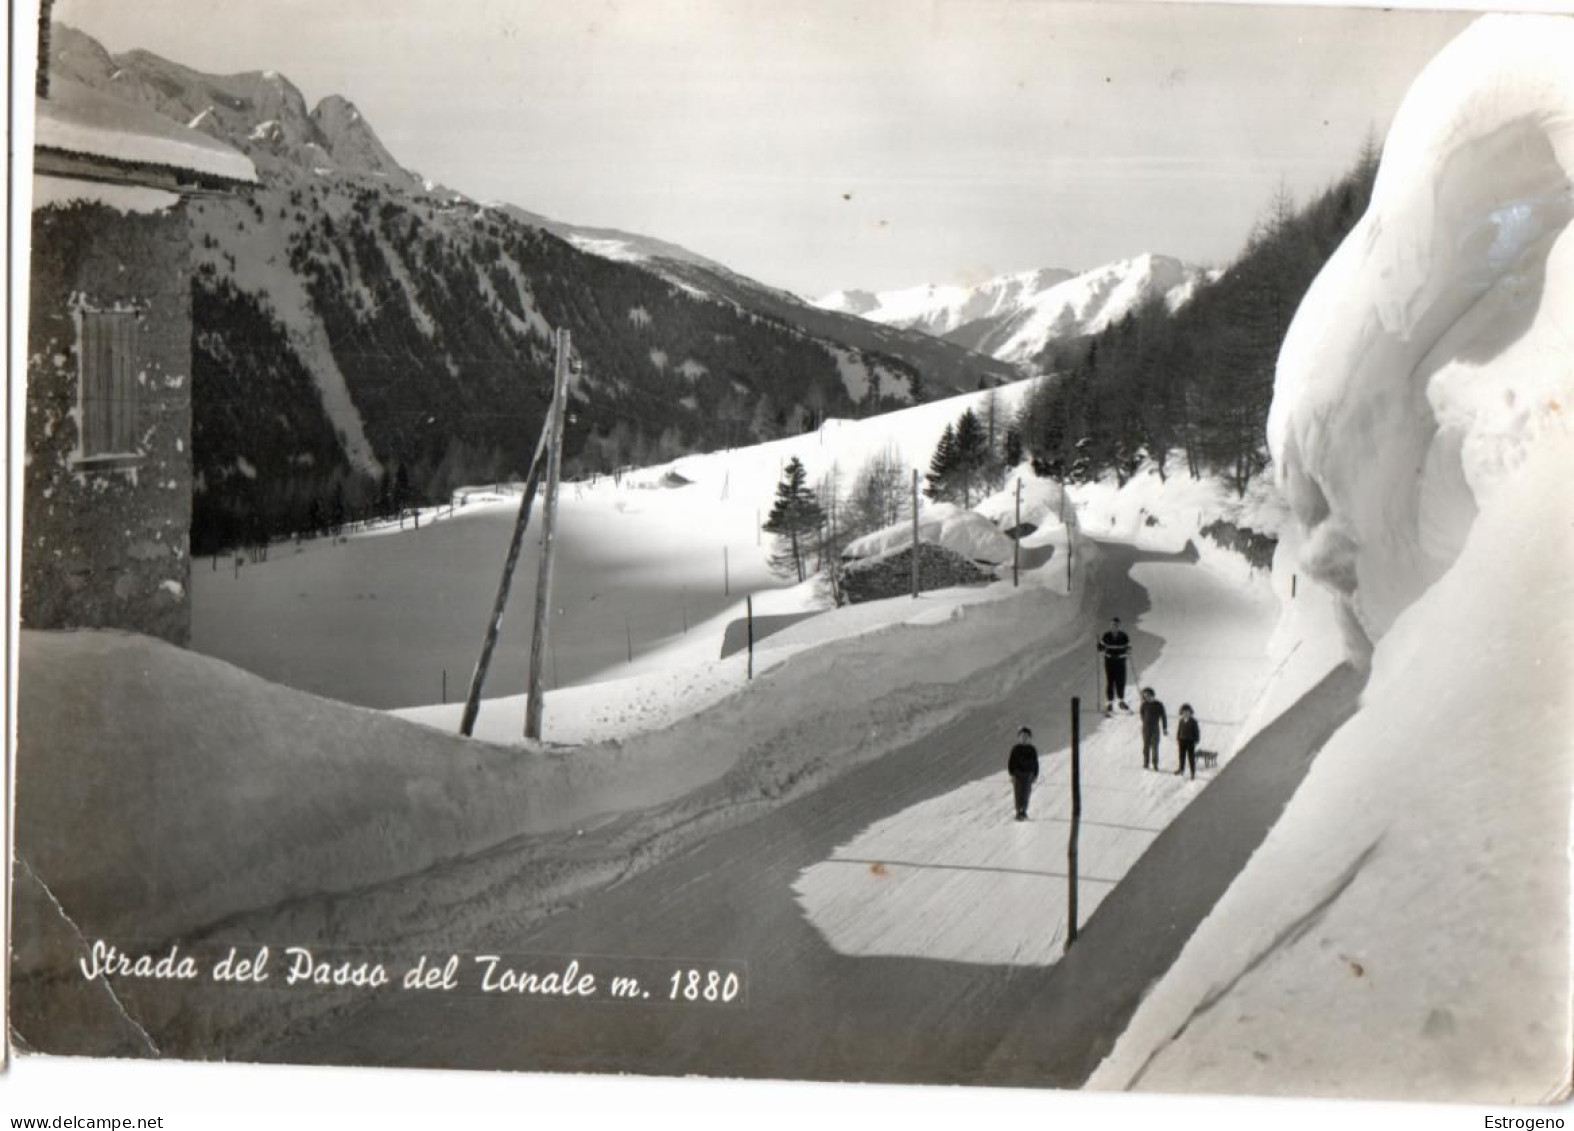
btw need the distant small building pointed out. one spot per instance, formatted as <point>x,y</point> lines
<point>107,490</point>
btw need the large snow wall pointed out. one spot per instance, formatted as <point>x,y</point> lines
<point>1432,350</point>
<point>1403,932</point>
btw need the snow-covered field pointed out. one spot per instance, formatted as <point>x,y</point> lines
<point>643,569</point>
<point>384,619</point>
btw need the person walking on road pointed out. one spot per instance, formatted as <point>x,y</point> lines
<point>1153,718</point>
<point>1187,735</point>
<point>1023,768</point>
<point>1115,647</point>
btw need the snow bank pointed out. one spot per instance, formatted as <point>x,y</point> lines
<point>964,532</point>
<point>1423,363</point>
<point>974,536</point>
<point>1041,501</point>
<point>1404,930</point>
<point>1306,643</point>
<point>898,534</point>
<point>232,793</point>
<point>1164,513</point>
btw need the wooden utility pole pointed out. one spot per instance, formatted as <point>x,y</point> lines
<point>1065,526</point>
<point>749,605</point>
<point>538,634</point>
<point>489,641</point>
<point>1076,822</point>
<point>915,534</point>
<point>1016,548</point>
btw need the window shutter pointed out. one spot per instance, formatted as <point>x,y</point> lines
<point>109,383</point>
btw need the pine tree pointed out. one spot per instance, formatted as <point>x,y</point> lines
<point>942,466</point>
<point>969,452</point>
<point>795,519</point>
<point>1013,447</point>
<point>338,513</point>
<point>977,466</point>
<point>401,489</point>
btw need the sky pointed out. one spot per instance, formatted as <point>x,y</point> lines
<point>827,144</point>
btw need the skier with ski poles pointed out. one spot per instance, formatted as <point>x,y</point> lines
<point>1115,647</point>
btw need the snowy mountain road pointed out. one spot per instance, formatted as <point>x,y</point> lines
<point>810,1012</point>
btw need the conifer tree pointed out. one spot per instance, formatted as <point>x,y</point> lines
<point>942,466</point>
<point>975,461</point>
<point>795,520</point>
<point>1013,447</point>
<point>965,465</point>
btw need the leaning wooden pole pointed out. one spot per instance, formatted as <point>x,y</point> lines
<point>915,534</point>
<point>500,603</point>
<point>538,635</point>
<point>489,642</point>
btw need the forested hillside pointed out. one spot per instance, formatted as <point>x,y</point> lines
<point>1195,383</point>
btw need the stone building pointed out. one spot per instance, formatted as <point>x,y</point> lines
<point>107,489</point>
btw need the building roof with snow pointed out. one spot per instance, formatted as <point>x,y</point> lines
<point>83,134</point>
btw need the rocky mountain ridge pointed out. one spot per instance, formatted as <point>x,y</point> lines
<point>1017,318</point>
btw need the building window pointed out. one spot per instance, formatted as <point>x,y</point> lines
<point>109,384</point>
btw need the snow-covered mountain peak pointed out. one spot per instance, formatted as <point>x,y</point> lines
<point>941,308</point>
<point>1014,317</point>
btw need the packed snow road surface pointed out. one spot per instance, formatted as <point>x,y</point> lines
<point>957,882</point>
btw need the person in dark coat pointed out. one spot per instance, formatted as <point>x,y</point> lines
<point>1187,735</point>
<point>1153,717</point>
<point>1023,768</point>
<point>1114,646</point>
